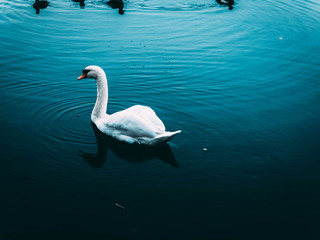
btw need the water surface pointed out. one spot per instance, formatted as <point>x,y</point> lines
<point>241,84</point>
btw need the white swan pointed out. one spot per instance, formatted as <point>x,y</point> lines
<point>137,124</point>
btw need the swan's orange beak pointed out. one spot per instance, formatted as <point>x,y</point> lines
<point>82,76</point>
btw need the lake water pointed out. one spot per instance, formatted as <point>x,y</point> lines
<point>243,85</point>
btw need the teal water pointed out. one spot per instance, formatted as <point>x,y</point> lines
<point>241,84</point>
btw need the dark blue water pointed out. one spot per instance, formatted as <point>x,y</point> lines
<point>242,85</point>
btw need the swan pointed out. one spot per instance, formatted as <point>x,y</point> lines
<point>137,124</point>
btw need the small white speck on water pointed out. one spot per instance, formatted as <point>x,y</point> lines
<point>280,38</point>
<point>204,149</point>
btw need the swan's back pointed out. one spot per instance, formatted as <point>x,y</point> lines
<point>148,115</point>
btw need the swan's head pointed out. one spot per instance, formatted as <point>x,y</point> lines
<point>91,72</point>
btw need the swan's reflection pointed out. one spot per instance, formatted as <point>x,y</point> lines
<point>40,4</point>
<point>130,152</point>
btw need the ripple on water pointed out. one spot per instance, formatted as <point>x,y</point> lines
<point>56,121</point>
<point>15,11</point>
<point>168,5</point>
<point>54,110</point>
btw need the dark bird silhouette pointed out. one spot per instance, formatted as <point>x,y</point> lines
<point>40,5</point>
<point>116,4</point>
<point>133,153</point>
<point>228,3</point>
<point>80,1</point>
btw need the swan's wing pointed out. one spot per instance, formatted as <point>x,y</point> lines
<point>148,115</point>
<point>129,124</point>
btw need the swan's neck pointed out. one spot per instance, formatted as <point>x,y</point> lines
<point>100,108</point>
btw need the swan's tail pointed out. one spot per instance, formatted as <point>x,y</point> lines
<point>163,138</point>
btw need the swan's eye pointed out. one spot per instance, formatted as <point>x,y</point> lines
<point>85,71</point>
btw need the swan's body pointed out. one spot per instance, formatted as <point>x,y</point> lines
<point>137,124</point>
